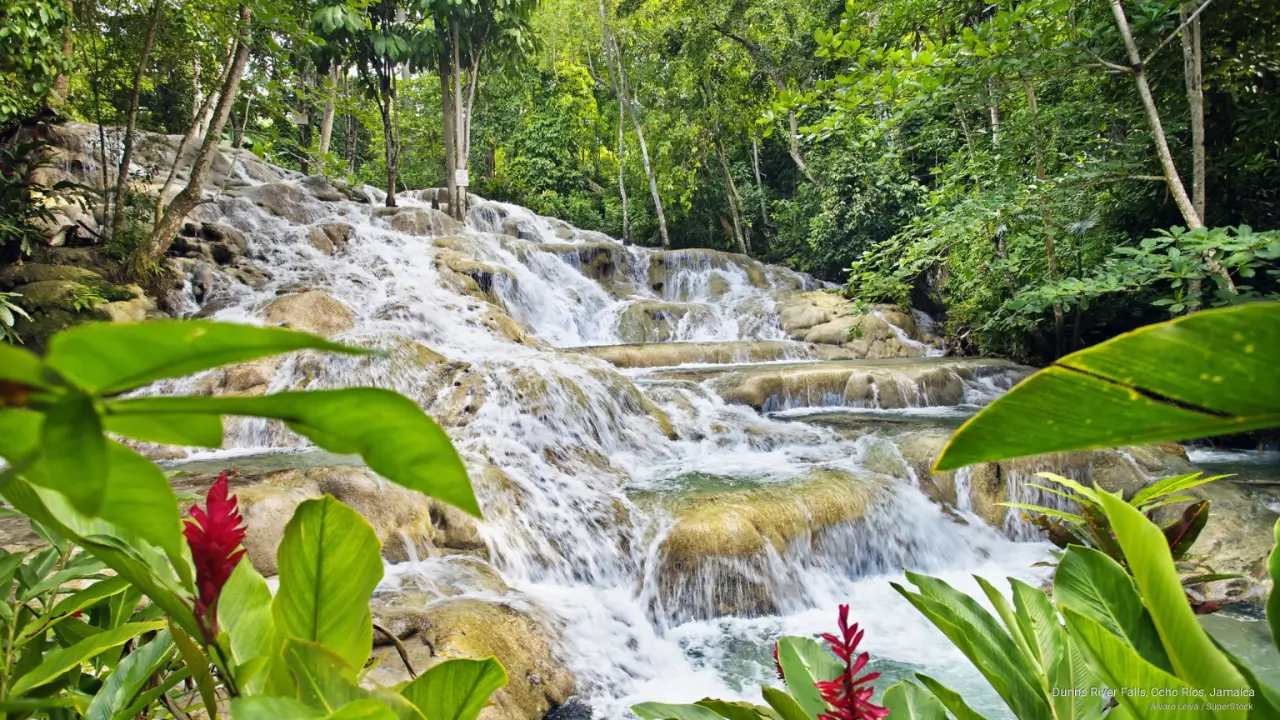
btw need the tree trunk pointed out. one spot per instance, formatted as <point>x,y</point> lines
<point>459,210</point>
<point>390,133</point>
<point>622,176</point>
<point>1174,182</point>
<point>150,252</point>
<point>735,204</point>
<point>1192,60</point>
<point>197,92</point>
<point>1171,177</point>
<point>755,166</point>
<point>126,156</point>
<point>796,157</point>
<point>446,111</point>
<point>1050,252</point>
<point>191,134</point>
<point>622,94</point>
<point>62,82</point>
<point>326,120</point>
<point>993,110</point>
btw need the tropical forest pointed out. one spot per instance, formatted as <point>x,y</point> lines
<point>639,360</point>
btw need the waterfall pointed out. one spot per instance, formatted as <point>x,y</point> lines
<point>589,474</point>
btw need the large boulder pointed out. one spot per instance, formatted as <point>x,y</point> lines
<point>418,221</point>
<point>311,311</point>
<point>827,318</point>
<point>57,297</point>
<point>713,560</point>
<point>652,321</point>
<point>477,629</point>
<point>286,200</point>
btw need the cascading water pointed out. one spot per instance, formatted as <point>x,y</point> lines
<point>585,470</point>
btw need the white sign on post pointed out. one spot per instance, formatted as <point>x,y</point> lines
<point>300,119</point>
<point>460,178</point>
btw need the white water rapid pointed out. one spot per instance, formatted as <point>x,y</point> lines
<point>584,469</point>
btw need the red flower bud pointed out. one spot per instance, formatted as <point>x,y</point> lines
<point>849,696</point>
<point>215,536</point>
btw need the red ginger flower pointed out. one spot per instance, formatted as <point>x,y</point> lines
<point>849,696</point>
<point>214,536</point>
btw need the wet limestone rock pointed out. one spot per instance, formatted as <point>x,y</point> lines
<point>827,318</point>
<point>311,311</point>
<point>473,628</point>
<point>486,278</point>
<point>424,222</point>
<point>673,354</point>
<point>57,297</point>
<point>286,200</point>
<point>713,558</point>
<point>652,321</point>
<point>401,518</point>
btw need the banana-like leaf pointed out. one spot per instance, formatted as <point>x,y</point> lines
<point>129,677</point>
<point>456,689</point>
<point>805,662</point>
<point>667,711</point>
<point>244,614</point>
<point>1194,658</point>
<point>329,563</point>
<point>1126,391</point>
<point>951,699</point>
<point>1092,584</point>
<point>785,705</point>
<point>58,662</point>
<point>908,701</point>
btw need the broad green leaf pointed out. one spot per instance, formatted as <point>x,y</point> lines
<point>145,570</point>
<point>1174,484</point>
<point>129,677</point>
<point>324,680</point>
<point>73,453</point>
<point>667,711</point>
<point>198,666</point>
<point>273,708</point>
<point>329,563</point>
<point>1092,584</point>
<point>1126,391</point>
<point>24,367</point>
<point>76,602</point>
<point>981,639</point>
<point>369,709</point>
<point>151,695</point>
<point>950,699</point>
<point>176,429</point>
<point>244,615</point>
<point>135,501</point>
<point>1266,699</point>
<point>1192,654</point>
<point>1014,624</point>
<point>738,710</point>
<point>393,435</point>
<point>109,358</point>
<point>456,689</point>
<point>1182,533</point>
<point>785,705</point>
<point>805,662</point>
<point>58,662</point>
<point>1273,599</point>
<point>1135,681</point>
<point>908,701</point>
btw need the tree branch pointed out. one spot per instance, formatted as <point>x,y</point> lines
<point>1190,19</point>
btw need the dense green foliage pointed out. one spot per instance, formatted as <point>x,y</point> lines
<point>993,164</point>
<point>99,505</point>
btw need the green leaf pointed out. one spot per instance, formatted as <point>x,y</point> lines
<point>198,665</point>
<point>129,677</point>
<point>1194,658</point>
<point>393,435</point>
<point>58,662</point>
<point>1182,533</point>
<point>177,429</point>
<point>1273,599</point>
<point>325,681</point>
<point>329,563</point>
<point>785,705</point>
<point>273,708</point>
<point>1128,674</point>
<point>950,699</point>
<point>1092,584</point>
<point>1170,485</point>
<point>908,701</point>
<point>805,662</point>
<point>737,710</point>
<point>25,368</point>
<point>456,689</point>
<point>244,614</point>
<point>666,711</point>
<point>1126,391</point>
<point>369,709</point>
<point>73,453</point>
<point>109,358</point>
